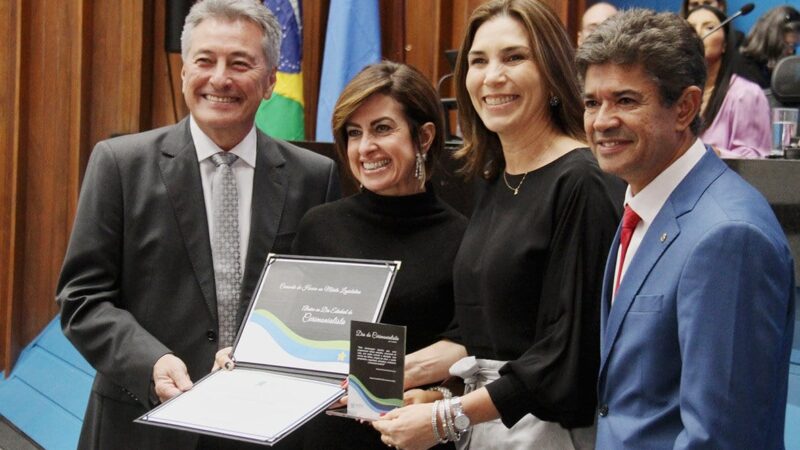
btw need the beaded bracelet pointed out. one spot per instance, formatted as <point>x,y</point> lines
<point>446,393</point>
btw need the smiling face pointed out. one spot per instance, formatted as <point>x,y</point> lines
<point>381,153</point>
<point>225,77</point>
<point>703,21</point>
<point>503,82</point>
<point>631,133</point>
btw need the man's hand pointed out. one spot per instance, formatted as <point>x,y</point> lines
<point>223,359</point>
<point>170,377</point>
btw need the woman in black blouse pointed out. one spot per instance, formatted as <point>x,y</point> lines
<point>528,274</point>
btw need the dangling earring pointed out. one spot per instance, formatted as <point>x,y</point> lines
<point>419,167</point>
<point>554,101</point>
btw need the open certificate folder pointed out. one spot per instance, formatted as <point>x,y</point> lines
<point>291,352</point>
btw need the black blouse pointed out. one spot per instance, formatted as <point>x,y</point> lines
<point>424,234</point>
<point>527,280</point>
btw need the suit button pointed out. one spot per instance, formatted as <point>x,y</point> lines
<point>211,335</point>
<point>603,410</point>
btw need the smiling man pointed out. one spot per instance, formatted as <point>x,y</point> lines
<point>173,226</point>
<point>698,297</point>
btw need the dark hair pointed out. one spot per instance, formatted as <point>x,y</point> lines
<point>552,54</point>
<point>408,87</point>
<point>765,43</point>
<point>726,67</point>
<point>686,9</point>
<point>663,44</point>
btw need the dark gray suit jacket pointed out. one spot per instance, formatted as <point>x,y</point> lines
<point>138,278</point>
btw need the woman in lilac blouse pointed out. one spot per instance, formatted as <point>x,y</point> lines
<point>735,111</point>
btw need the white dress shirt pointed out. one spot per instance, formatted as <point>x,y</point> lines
<point>243,169</point>
<point>649,201</point>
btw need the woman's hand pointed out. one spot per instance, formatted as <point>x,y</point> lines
<point>408,428</point>
<point>223,359</point>
<point>417,396</point>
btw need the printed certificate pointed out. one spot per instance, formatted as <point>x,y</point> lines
<point>291,353</point>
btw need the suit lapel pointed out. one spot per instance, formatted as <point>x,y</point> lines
<point>181,174</point>
<point>608,285</point>
<point>659,236</point>
<point>270,184</point>
<point>661,233</point>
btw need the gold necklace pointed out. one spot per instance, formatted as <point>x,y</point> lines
<point>514,189</point>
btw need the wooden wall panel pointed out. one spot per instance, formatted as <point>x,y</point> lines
<point>50,123</point>
<point>167,105</point>
<point>10,20</point>
<point>117,96</point>
<point>75,76</point>
<point>393,29</point>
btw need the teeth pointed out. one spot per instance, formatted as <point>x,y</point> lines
<point>499,100</point>
<point>214,98</point>
<point>376,164</point>
<point>609,143</point>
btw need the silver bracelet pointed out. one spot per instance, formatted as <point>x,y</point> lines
<point>435,422</point>
<point>443,414</point>
<point>446,393</point>
<point>450,428</point>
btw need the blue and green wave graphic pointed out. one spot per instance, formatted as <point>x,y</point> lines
<point>298,346</point>
<point>377,404</point>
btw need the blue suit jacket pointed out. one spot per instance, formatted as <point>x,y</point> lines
<point>695,349</point>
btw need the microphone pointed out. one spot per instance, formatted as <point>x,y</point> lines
<point>745,10</point>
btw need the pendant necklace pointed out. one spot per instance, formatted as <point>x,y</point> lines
<point>515,190</point>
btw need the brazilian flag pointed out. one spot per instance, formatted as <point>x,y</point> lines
<point>282,115</point>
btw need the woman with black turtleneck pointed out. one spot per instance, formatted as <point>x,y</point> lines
<point>419,230</point>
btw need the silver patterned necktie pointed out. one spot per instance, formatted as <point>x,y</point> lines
<point>225,246</point>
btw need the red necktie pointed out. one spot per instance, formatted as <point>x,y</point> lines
<point>629,221</point>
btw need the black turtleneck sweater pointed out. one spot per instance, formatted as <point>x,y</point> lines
<point>423,233</point>
<point>419,230</point>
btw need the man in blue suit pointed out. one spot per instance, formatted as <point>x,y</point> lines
<point>698,298</point>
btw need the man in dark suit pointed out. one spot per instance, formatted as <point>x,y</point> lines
<point>158,237</point>
<point>698,296</point>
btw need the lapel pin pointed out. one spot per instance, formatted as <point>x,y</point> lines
<point>663,237</point>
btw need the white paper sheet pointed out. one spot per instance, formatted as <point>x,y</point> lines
<point>253,404</point>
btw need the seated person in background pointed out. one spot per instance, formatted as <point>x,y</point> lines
<point>688,6</point>
<point>735,111</point>
<point>774,36</point>
<point>594,16</point>
<point>388,129</point>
